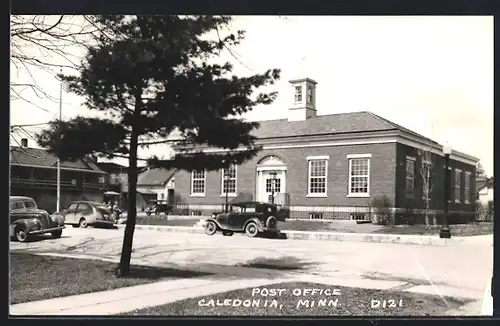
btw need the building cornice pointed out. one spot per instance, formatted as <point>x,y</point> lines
<point>352,139</point>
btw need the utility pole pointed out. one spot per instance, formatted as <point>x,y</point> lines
<point>58,207</point>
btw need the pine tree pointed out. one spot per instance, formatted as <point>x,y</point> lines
<point>149,77</point>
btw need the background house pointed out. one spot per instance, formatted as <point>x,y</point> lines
<point>156,184</point>
<point>334,166</point>
<point>485,197</point>
<point>115,182</point>
<point>33,173</point>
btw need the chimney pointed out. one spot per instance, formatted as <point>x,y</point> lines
<point>304,99</point>
<point>24,142</point>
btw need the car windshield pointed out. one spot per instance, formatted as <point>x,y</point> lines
<point>29,203</point>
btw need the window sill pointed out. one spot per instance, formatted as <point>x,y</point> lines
<point>229,195</point>
<point>457,201</point>
<point>317,195</point>
<point>197,195</point>
<point>358,195</point>
<point>467,202</point>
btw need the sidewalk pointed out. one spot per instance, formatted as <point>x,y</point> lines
<point>135,297</point>
<point>429,240</point>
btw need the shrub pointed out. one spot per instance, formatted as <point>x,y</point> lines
<point>381,208</point>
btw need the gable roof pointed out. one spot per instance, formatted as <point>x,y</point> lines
<point>484,183</point>
<point>327,124</point>
<point>155,177</point>
<point>39,157</point>
<point>111,166</point>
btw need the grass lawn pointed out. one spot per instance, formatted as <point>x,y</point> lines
<point>351,302</point>
<point>164,220</point>
<point>35,278</point>
<point>327,226</point>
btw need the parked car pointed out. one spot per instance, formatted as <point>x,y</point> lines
<point>26,220</point>
<point>87,213</point>
<point>249,217</point>
<point>158,206</point>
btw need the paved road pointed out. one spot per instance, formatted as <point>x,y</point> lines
<point>463,268</point>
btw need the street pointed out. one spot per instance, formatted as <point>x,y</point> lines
<point>462,269</point>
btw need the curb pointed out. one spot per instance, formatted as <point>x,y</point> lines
<point>326,236</point>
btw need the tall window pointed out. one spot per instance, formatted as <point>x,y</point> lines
<point>458,184</point>
<point>198,182</point>
<point>269,185</point>
<point>309,95</point>
<point>359,176</point>
<point>298,94</point>
<point>410,177</point>
<point>467,187</point>
<point>451,187</point>
<point>317,177</point>
<point>426,180</point>
<point>229,180</point>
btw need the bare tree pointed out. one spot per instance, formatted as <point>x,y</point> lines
<point>425,172</point>
<point>45,43</point>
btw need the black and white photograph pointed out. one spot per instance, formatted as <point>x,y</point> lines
<point>276,166</point>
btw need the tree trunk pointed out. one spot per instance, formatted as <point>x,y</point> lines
<point>124,267</point>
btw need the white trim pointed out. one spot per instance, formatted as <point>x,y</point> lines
<point>319,157</point>
<point>199,194</point>
<point>360,195</point>
<point>271,168</point>
<point>449,168</point>
<point>349,156</point>
<point>458,170</point>
<point>230,194</point>
<point>317,194</point>
<point>411,158</point>
<point>426,162</point>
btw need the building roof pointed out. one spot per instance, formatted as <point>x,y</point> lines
<point>40,158</point>
<point>327,124</point>
<point>155,177</point>
<point>111,166</point>
<point>482,182</point>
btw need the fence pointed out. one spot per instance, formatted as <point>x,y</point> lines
<point>340,212</point>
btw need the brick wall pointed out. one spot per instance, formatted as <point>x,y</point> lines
<point>437,175</point>
<point>382,175</point>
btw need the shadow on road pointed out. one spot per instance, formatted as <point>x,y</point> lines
<point>288,263</point>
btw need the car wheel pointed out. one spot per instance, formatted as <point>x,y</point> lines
<point>227,233</point>
<point>210,228</point>
<point>251,229</point>
<point>21,234</point>
<point>148,213</point>
<point>271,222</point>
<point>56,234</point>
<point>83,223</point>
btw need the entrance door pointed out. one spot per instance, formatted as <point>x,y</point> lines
<point>265,182</point>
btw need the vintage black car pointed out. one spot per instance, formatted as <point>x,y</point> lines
<point>249,217</point>
<point>158,206</point>
<point>27,220</point>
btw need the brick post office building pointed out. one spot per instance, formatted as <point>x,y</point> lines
<point>329,166</point>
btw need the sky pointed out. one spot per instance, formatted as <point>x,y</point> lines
<point>432,74</point>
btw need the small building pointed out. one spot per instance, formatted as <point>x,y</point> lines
<point>115,182</point>
<point>485,189</point>
<point>33,173</point>
<point>335,165</point>
<point>156,184</point>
